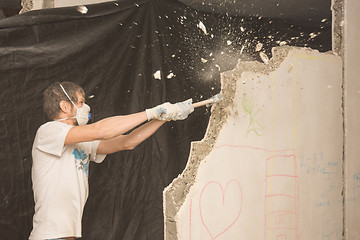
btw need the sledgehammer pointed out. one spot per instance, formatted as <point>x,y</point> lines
<point>218,97</point>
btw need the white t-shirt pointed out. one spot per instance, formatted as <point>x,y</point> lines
<point>60,181</point>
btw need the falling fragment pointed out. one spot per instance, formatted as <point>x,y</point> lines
<point>116,4</point>
<point>242,29</point>
<point>157,75</point>
<point>171,75</point>
<point>324,20</point>
<point>137,5</point>
<point>229,42</point>
<point>313,35</point>
<point>204,60</point>
<point>258,47</point>
<point>217,66</point>
<point>82,9</point>
<point>91,96</point>
<point>202,27</point>
<point>282,43</point>
<point>242,49</point>
<point>264,57</point>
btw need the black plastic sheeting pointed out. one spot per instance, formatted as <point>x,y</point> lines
<point>113,51</point>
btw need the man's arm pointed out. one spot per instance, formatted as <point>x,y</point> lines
<point>131,140</point>
<point>110,130</point>
<point>105,129</point>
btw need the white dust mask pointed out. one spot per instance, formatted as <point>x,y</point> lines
<point>82,114</point>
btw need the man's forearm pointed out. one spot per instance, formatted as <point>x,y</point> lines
<point>131,140</point>
<point>118,125</point>
<point>143,132</point>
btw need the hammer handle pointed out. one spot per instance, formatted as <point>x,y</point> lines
<point>202,103</point>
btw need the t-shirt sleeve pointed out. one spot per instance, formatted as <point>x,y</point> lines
<point>91,149</point>
<point>98,158</point>
<point>51,137</point>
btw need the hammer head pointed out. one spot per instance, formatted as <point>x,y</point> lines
<point>218,97</point>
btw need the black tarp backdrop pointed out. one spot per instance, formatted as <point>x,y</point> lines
<point>113,51</point>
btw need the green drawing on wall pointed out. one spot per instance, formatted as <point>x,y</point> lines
<point>254,125</point>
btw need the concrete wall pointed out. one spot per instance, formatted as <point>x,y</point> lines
<point>352,117</point>
<point>270,165</point>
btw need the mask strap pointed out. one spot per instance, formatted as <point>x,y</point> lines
<point>67,95</point>
<point>58,120</point>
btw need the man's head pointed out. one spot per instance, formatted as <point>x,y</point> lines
<point>55,99</point>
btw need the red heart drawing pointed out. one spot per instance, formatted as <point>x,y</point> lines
<point>220,209</point>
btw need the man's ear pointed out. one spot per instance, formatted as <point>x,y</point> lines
<point>64,106</point>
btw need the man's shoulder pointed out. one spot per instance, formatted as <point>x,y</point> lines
<point>52,126</point>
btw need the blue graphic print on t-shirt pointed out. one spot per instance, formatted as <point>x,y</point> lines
<point>82,163</point>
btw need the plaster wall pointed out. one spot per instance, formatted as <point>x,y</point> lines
<point>270,165</point>
<point>352,116</point>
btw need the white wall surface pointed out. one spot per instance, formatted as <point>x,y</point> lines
<point>352,118</point>
<point>275,171</point>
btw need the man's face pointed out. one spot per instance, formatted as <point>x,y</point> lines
<point>79,104</point>
<point>81,100</point>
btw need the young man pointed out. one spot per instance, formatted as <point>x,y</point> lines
<point>64,146</point>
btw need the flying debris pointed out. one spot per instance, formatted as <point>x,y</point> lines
<point>171,75</point>
<point>82,9</point>
<point>258,47</point>
<point>242,49</point>
<point>264,57</point>
<point>157,75</point>
<point>202,27</point>
<point>313,35</point>
<point>229,42</point>
<point>204,60</point>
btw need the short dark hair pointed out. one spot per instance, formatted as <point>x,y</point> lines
<point>53,95</point>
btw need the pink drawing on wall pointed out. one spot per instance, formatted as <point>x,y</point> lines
<point>281,204</point>
<point>221,208</point>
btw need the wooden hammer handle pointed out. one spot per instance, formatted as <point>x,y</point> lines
<point>202,103</point>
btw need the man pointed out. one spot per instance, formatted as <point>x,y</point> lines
<point>64,146</point>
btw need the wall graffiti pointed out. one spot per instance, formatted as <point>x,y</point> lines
<point>280,213</point>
